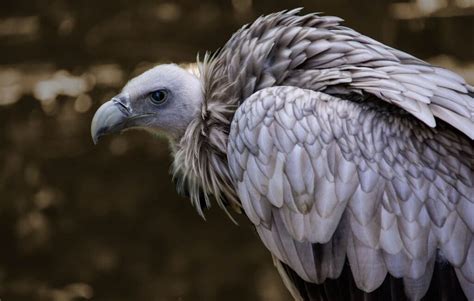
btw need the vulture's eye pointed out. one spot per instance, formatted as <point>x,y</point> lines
<point>159,96</point>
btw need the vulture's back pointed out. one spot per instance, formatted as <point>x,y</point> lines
<point>353,160</point>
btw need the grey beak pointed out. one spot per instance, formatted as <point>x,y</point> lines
<point>110,117</point>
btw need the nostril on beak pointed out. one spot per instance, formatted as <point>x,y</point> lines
<point>123,102</point>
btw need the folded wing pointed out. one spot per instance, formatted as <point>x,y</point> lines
<point>324,179</point>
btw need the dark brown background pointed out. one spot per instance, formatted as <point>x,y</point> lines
<point>104,223</point>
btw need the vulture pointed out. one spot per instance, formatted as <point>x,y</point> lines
<point>353,160</point>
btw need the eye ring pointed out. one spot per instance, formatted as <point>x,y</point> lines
<point>158,97</point>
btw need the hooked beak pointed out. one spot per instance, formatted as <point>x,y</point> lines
<point>111,117</point>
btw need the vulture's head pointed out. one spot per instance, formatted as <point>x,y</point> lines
<point>161,100</point>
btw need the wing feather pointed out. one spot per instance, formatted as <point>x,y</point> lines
<point>323,178</point>
<point>367,264</point>
<point>416,288</point>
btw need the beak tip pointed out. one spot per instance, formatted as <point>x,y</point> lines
<point>96,136</point>
<point>96,133</point>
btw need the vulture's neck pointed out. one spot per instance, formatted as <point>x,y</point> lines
<point>200,162</point>
<point>247,63</point>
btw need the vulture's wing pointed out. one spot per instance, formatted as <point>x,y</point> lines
<point>324,179</point>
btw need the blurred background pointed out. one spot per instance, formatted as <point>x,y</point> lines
<point>79,222</point>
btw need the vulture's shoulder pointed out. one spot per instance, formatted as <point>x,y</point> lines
<point>317,53</point>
